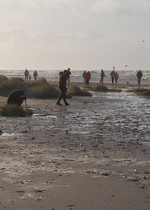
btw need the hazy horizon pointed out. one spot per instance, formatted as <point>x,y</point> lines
<point>72,70</point>
<point>89,34</point>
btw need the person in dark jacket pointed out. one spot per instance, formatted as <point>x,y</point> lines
<point>139,76</point>
<point>35,74</point>
<point>112,74</point>
<point>26,74</point>
<point>16,97</point>
<point>102,75</point>
<point>63,87</point>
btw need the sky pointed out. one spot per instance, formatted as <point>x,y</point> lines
<point>80,34</point>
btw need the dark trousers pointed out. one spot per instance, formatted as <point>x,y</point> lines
<point>139,80</point>
<point>112,80</point>
<point>87,81</point>
<point>62,95</point>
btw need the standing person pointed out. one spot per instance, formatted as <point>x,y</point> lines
<point>26,74</point>
<point>112,74</point>
<point>116,77</point>
<point>83,75</point>
<point>68,77</point>
<point>139,76</point>
<point>35,75</point>
<point>62,87</point>
<point>102,75</point>
<point>88,77</point>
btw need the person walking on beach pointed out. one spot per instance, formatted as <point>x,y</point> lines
<point>68,77</point>
<point>35,75</point>
<point>116,77</point>
<point>87,77</point>
<point>83,75</point>
<point>26,74</point>
<point>102,75</point>
<point>139,76</point>
<point>112,74</point>
<point>63,76</point>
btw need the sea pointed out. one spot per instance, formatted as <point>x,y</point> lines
<point>125,76</point>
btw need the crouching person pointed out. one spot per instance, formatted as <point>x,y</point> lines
<point>16,97</point>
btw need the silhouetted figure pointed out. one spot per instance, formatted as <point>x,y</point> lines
<point>68,77</point>
<point>87,77</point>
<point>63,87</point>
<point>26,74</point>
<point>102,75</point>
<point>83,75</point>
<point>139,76</point>
<point>116,77</point>
<point>112,74</point>
<point>16,97</point>
<point>35,75</point>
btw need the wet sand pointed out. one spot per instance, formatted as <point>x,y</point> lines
<point>93,154</point>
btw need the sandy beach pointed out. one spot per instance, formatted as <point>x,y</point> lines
<point>91,155</point>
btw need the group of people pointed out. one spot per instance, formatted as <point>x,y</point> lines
<point>114,76</point>
<point>28,76</point>
<point>86,77</point>
<point>19,96</point>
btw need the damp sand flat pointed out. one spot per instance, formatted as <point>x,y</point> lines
<point>93,154</point>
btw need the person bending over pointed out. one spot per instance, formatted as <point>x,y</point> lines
<point>16,97</point>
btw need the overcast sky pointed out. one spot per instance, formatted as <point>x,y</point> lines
<point>80,34</point>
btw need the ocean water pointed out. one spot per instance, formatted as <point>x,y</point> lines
<point>76,76</point>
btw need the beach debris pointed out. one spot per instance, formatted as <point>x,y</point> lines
<point>24,131</point>
<point>2,168</point>
<point>11,200</point>
<point>25,181</point>
<point>20,191</point>
<point>26,196</point>
<point>145,171</point>
<point>105,173</point>
<point>71,205</point>
<point>142,186</point>
<point>38,190</point>
<point>134,179</point>
<point>38,198</point>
